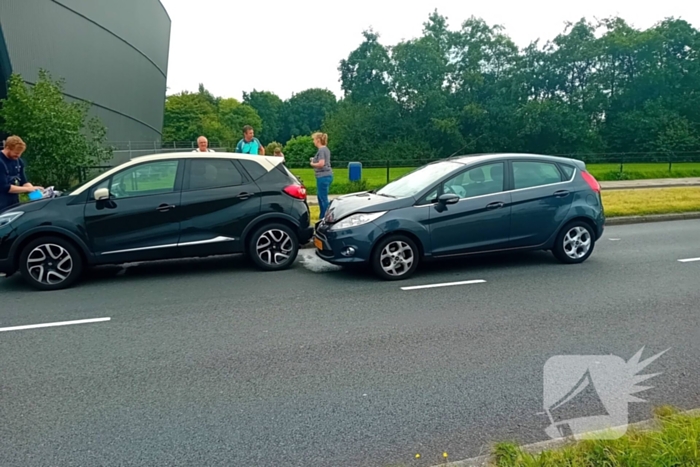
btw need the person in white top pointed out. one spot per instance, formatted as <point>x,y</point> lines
<point>203,145</point>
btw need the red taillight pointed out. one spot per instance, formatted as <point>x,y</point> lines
<point>592,182</point>
<point>296,191</point>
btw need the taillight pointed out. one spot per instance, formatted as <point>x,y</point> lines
<point>296,191</point>
<point>592,182</point>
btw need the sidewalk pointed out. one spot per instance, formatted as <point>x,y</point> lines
<point>617,185</point>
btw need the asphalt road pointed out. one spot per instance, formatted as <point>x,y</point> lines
<point>211,363</point>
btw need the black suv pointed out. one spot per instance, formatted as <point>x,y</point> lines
<point>159,207</point>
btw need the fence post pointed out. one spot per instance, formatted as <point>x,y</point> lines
<point>622,162</point>
<point>670,160</point>
<point>130,154</point>
<point>388,168</point>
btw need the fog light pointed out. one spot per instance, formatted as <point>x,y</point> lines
<point>348,251</point>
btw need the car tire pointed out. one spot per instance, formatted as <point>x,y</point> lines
<point>392,244</point>
<point>575,243</point>
<point>273,247</point>
<point>50,263</point>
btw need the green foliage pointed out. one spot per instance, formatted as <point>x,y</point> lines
<point>271,110</point>
<point>60,136</point>
<point>270,148</point>
<point>191,115</point>
<point>299,150</point>
<point>305,112</point>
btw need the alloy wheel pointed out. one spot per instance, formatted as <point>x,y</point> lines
<point>396,258</point>
<point>577,242</point>
<point>274,247</point>
<point>49,264</point>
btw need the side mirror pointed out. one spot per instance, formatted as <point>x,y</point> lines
<point>448,198</point>
<point>102,194</point>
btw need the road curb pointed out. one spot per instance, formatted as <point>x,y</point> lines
<point>625,220</point>
<point>553,444</point>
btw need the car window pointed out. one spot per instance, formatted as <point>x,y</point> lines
<point>254,169</point>
<point>144,179</point>
<point>213,173</point>
<point>532,174</point>
<point>479,181</point>
<point>418,180</point>
<point>568,171</point>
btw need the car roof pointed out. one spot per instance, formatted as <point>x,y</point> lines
<point>476,158</point>
<point>267,162</point>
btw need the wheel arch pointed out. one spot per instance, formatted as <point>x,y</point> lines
<point>29,237</point>
<point>277,218</point>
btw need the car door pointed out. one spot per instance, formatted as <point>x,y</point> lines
<point>541,201</point>
<point>480,220</point>
<point>218,202</point>
<point>139,221</point>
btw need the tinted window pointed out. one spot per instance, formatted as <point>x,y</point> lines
<point>479,181</point>
<point>418,180</point>
<point>144,179</point>
<point>213,173</point>
<point>254,169</point>
<point>568,171</point>
<point>530,174</point>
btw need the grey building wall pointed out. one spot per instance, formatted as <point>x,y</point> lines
<point>112,53</point>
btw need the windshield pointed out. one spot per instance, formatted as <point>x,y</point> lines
<point>413,183</point>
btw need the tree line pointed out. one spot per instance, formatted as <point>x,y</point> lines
<point>598,87</point>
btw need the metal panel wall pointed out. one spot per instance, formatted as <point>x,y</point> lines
<point>109,53</point>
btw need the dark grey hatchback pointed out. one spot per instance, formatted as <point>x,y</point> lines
<point>465,206</point>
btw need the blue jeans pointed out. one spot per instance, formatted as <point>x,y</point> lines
<point>322,186</point>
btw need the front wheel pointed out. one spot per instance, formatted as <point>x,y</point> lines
<point>50,263</point>
<point>273,247</point>
<point>395,258</point>
<point>574,243</point>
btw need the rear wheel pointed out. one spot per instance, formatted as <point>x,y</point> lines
<point>395,258</point>
<point>50,263</point>
<point>273,247</point>
<point>574,243</point>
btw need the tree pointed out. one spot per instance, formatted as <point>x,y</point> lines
<point>189,116</point>
<point>305,112</point>
<point>60,135</point>
<point>234,116</point>
<point>270,108</point>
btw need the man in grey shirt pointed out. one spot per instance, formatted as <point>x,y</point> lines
<point>323,171</point>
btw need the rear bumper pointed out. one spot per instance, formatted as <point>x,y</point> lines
<point>305,235</point>
<point>7,267</point>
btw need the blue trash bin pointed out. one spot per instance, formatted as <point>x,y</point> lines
<point>355,171</point>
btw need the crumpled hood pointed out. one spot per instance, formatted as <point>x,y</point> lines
<point>363,202</point>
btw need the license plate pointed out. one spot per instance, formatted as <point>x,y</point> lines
<point>318,244</point>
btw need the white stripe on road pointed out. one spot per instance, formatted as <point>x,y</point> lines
<point>50,325</point>
<point>688,260</point>
<point>447,284</point>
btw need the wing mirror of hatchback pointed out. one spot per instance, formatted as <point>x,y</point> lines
<point>448,198</point>
<point>102,194</point>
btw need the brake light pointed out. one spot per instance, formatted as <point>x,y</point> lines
<point>296,191</point>
<point>592,182</point>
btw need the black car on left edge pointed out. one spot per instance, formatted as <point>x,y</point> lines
<point>158,207</point>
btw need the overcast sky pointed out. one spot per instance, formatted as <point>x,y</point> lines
<point>287,46</point>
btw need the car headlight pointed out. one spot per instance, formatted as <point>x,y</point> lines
<point>9,217</point>
<point>356,220</point>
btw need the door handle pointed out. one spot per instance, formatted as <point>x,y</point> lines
<point>561,194</point>
<point>165,207</point>
<point>496,205</point>
<point>244,195</point>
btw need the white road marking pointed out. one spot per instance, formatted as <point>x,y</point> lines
<point>614,239</point>
<point>447,284</point>
<point>688,260</point>
<point>49,325</point>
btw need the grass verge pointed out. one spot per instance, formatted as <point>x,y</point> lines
<point>377,177</point>
<point>676,442</point>
<point>638,202</point>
